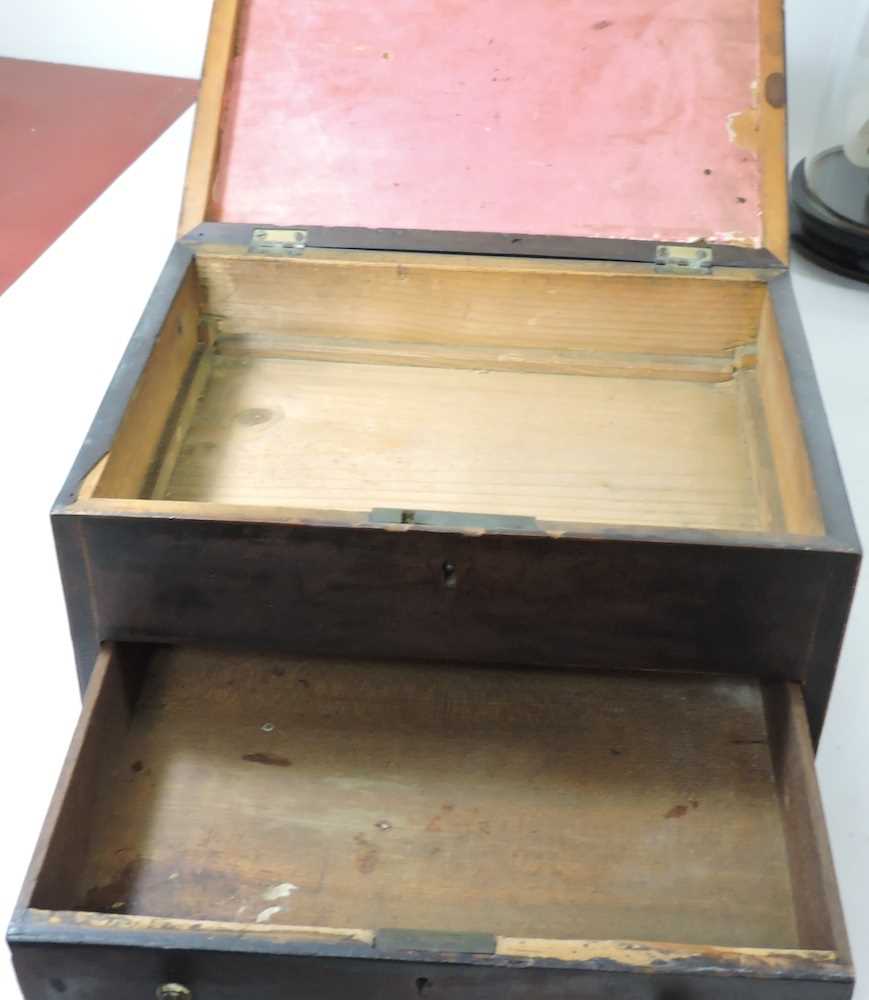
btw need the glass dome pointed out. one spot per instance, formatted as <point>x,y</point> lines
<point>830,188</point>
<point>837,173</point>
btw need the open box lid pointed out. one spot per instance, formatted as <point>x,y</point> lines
<point>568,128</point>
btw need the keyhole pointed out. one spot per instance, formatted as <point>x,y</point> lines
<point>449,574</point>
<point>422,985</point>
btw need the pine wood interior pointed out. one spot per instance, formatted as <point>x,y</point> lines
<point>265,789</point>
<point>350,381</point>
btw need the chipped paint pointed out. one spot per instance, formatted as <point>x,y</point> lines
<point>735,239</point>
<point>743,129</point>
<point>283,890</point>
<point>264,916</point>
<point>657,957</point>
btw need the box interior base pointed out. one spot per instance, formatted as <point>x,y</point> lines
<point>262,788</point>
<point>344,381</point>
<point>345,436</point>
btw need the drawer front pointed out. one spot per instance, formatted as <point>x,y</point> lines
<point>106,973</point>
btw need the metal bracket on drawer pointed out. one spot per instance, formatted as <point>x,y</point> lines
<point>442,942</point>
<point>278,242</point>
<point>682,260</point>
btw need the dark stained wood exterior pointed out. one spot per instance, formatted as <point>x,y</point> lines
<point>827,640</point>
<point>574,601</point>
<point>98,970</point>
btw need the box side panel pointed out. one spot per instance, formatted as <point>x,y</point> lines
<point>82,972</point>
<point>506,598</point>
<point>71,552</point>
<point>816,429</point>
<point>813,877</point>
<point>842,571</point>
<point>843,567</point>
<point>77,592</point>
<point>114,404</point>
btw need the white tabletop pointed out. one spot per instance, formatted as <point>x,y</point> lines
<point>64,325</point>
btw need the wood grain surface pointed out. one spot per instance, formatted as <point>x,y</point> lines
<point>257,788</point>
<point>337,436</point>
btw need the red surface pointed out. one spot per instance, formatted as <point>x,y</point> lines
<point>66,132</point>
<point>568,117</point>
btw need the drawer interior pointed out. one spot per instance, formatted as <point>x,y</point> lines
<point>348,381</point>
<point>272,791</point>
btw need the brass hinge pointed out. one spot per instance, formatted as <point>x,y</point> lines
<point>278,242</point>
<point>680,260</point>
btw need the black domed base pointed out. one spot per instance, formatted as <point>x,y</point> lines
<point>825,238</point>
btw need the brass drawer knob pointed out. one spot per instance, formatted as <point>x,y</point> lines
<point>173,991</point>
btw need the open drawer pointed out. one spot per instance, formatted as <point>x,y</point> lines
<point>254,826</point>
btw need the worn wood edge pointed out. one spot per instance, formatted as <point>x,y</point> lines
<point>144,925</point>
<point>92,699</point>
<point>772,139</point>
<point>205,146</point>
<point>816,894</point>
<point>91,479</point>
<point>294,517</point>
<point>629,957</point>
<point>666,957</point>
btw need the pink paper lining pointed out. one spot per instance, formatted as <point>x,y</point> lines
<point>605,118</point>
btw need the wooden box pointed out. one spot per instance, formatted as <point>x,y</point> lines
<point>461,545</point>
